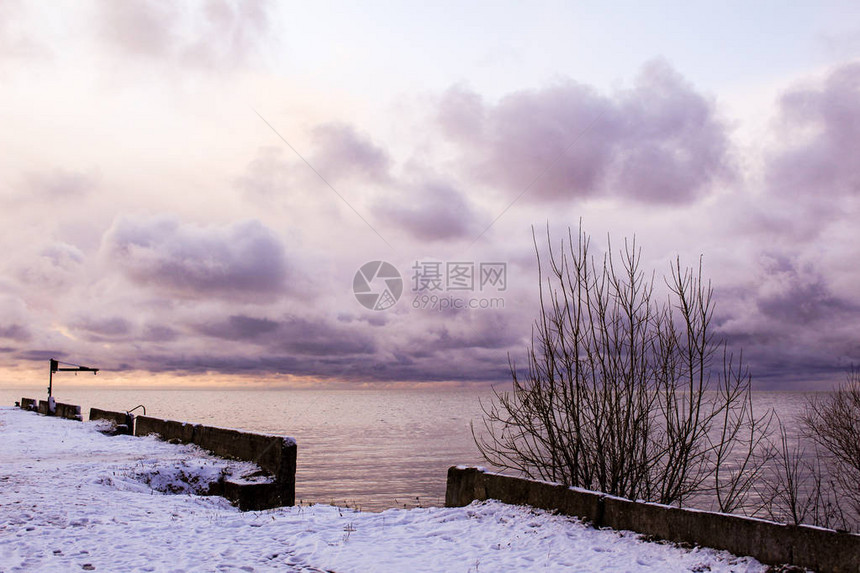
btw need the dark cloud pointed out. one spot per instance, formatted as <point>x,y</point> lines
<point>799,296</point>
<point>659,142</point>
<point>15,332</point>
<point>820,130</point>
<point>478,330</point>
<point>319,338</point>
<point>295,336</point>
<point>346,368</point>
<point>244,261</point>
<point>203,34</point>
<point>433,211</point>
<point>239,328</point>
<point>40,355</point>
<point>789,323</point>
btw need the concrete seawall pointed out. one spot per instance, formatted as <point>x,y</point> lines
<point>30,404</point>
<point>61,410</point>
<point>122,422</point>
<point>276,455</point>
<point>167,430</point>
<point>822,550</point>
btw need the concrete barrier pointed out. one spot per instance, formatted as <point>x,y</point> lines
<point>121,422</point>
<point>822,550</point>
<point>167,430</point>
<point>30,404</point>
<point>68,411</point>
<point>250,496</point>
<point>276,455</point>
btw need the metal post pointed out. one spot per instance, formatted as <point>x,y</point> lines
<point>55,367</point>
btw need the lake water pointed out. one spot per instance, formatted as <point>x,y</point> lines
<point>371,449</point>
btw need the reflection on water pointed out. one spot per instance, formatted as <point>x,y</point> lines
<point>371,449</point>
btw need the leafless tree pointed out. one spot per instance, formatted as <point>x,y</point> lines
<point>832,423</point>
<point>624,394</point>
<point>796,488</point>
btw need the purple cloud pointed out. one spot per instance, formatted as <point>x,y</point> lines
<point>433,211</point>
<point>301,336</point>
<point>16,332</point>
<point>210,34</point>
<point>59,184</point>
<point>659,142</point>
<point>799,296</point>
<point>239,328</point>
<point>103,329</point>
<point>267,176</point>
<point>244,261</point>
<point>341,152</point>
<point>820,125</point>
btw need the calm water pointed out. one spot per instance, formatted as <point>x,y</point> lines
<point>371,449</point>
<point>363,448</point>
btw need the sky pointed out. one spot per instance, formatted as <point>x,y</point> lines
<point>190,191</point>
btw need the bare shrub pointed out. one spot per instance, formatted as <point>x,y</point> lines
<point>624,394</point>
<point>796,489</point>
<point>832,423</point>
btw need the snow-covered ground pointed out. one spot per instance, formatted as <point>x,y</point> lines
<point>72,499</point>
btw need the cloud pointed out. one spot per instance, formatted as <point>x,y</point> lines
<point>267,176</point>
<point>798,296</point>
<point>158,333</point>
<point>241,261</point>
<point>51,267</point>
<point>59,184</point>
<point>659,142</point>
<point>319,338</point>
<point>789,321</point>
<point>476,330</point>
<point>201,34</point>
<point>342,152</point>
<point>430,211</point>
<point>16,332</point>
<point>239,328</point>
<point>16,41</point>
<point>103,329</point>
<point>140,27</point>
<point>820,128</point>
<point>40,355</point>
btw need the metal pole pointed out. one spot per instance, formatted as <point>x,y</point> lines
<point>51,379</point>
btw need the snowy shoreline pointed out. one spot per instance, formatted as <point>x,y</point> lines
<point>74,499</point>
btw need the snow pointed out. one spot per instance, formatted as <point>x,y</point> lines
<point>74,499</point>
